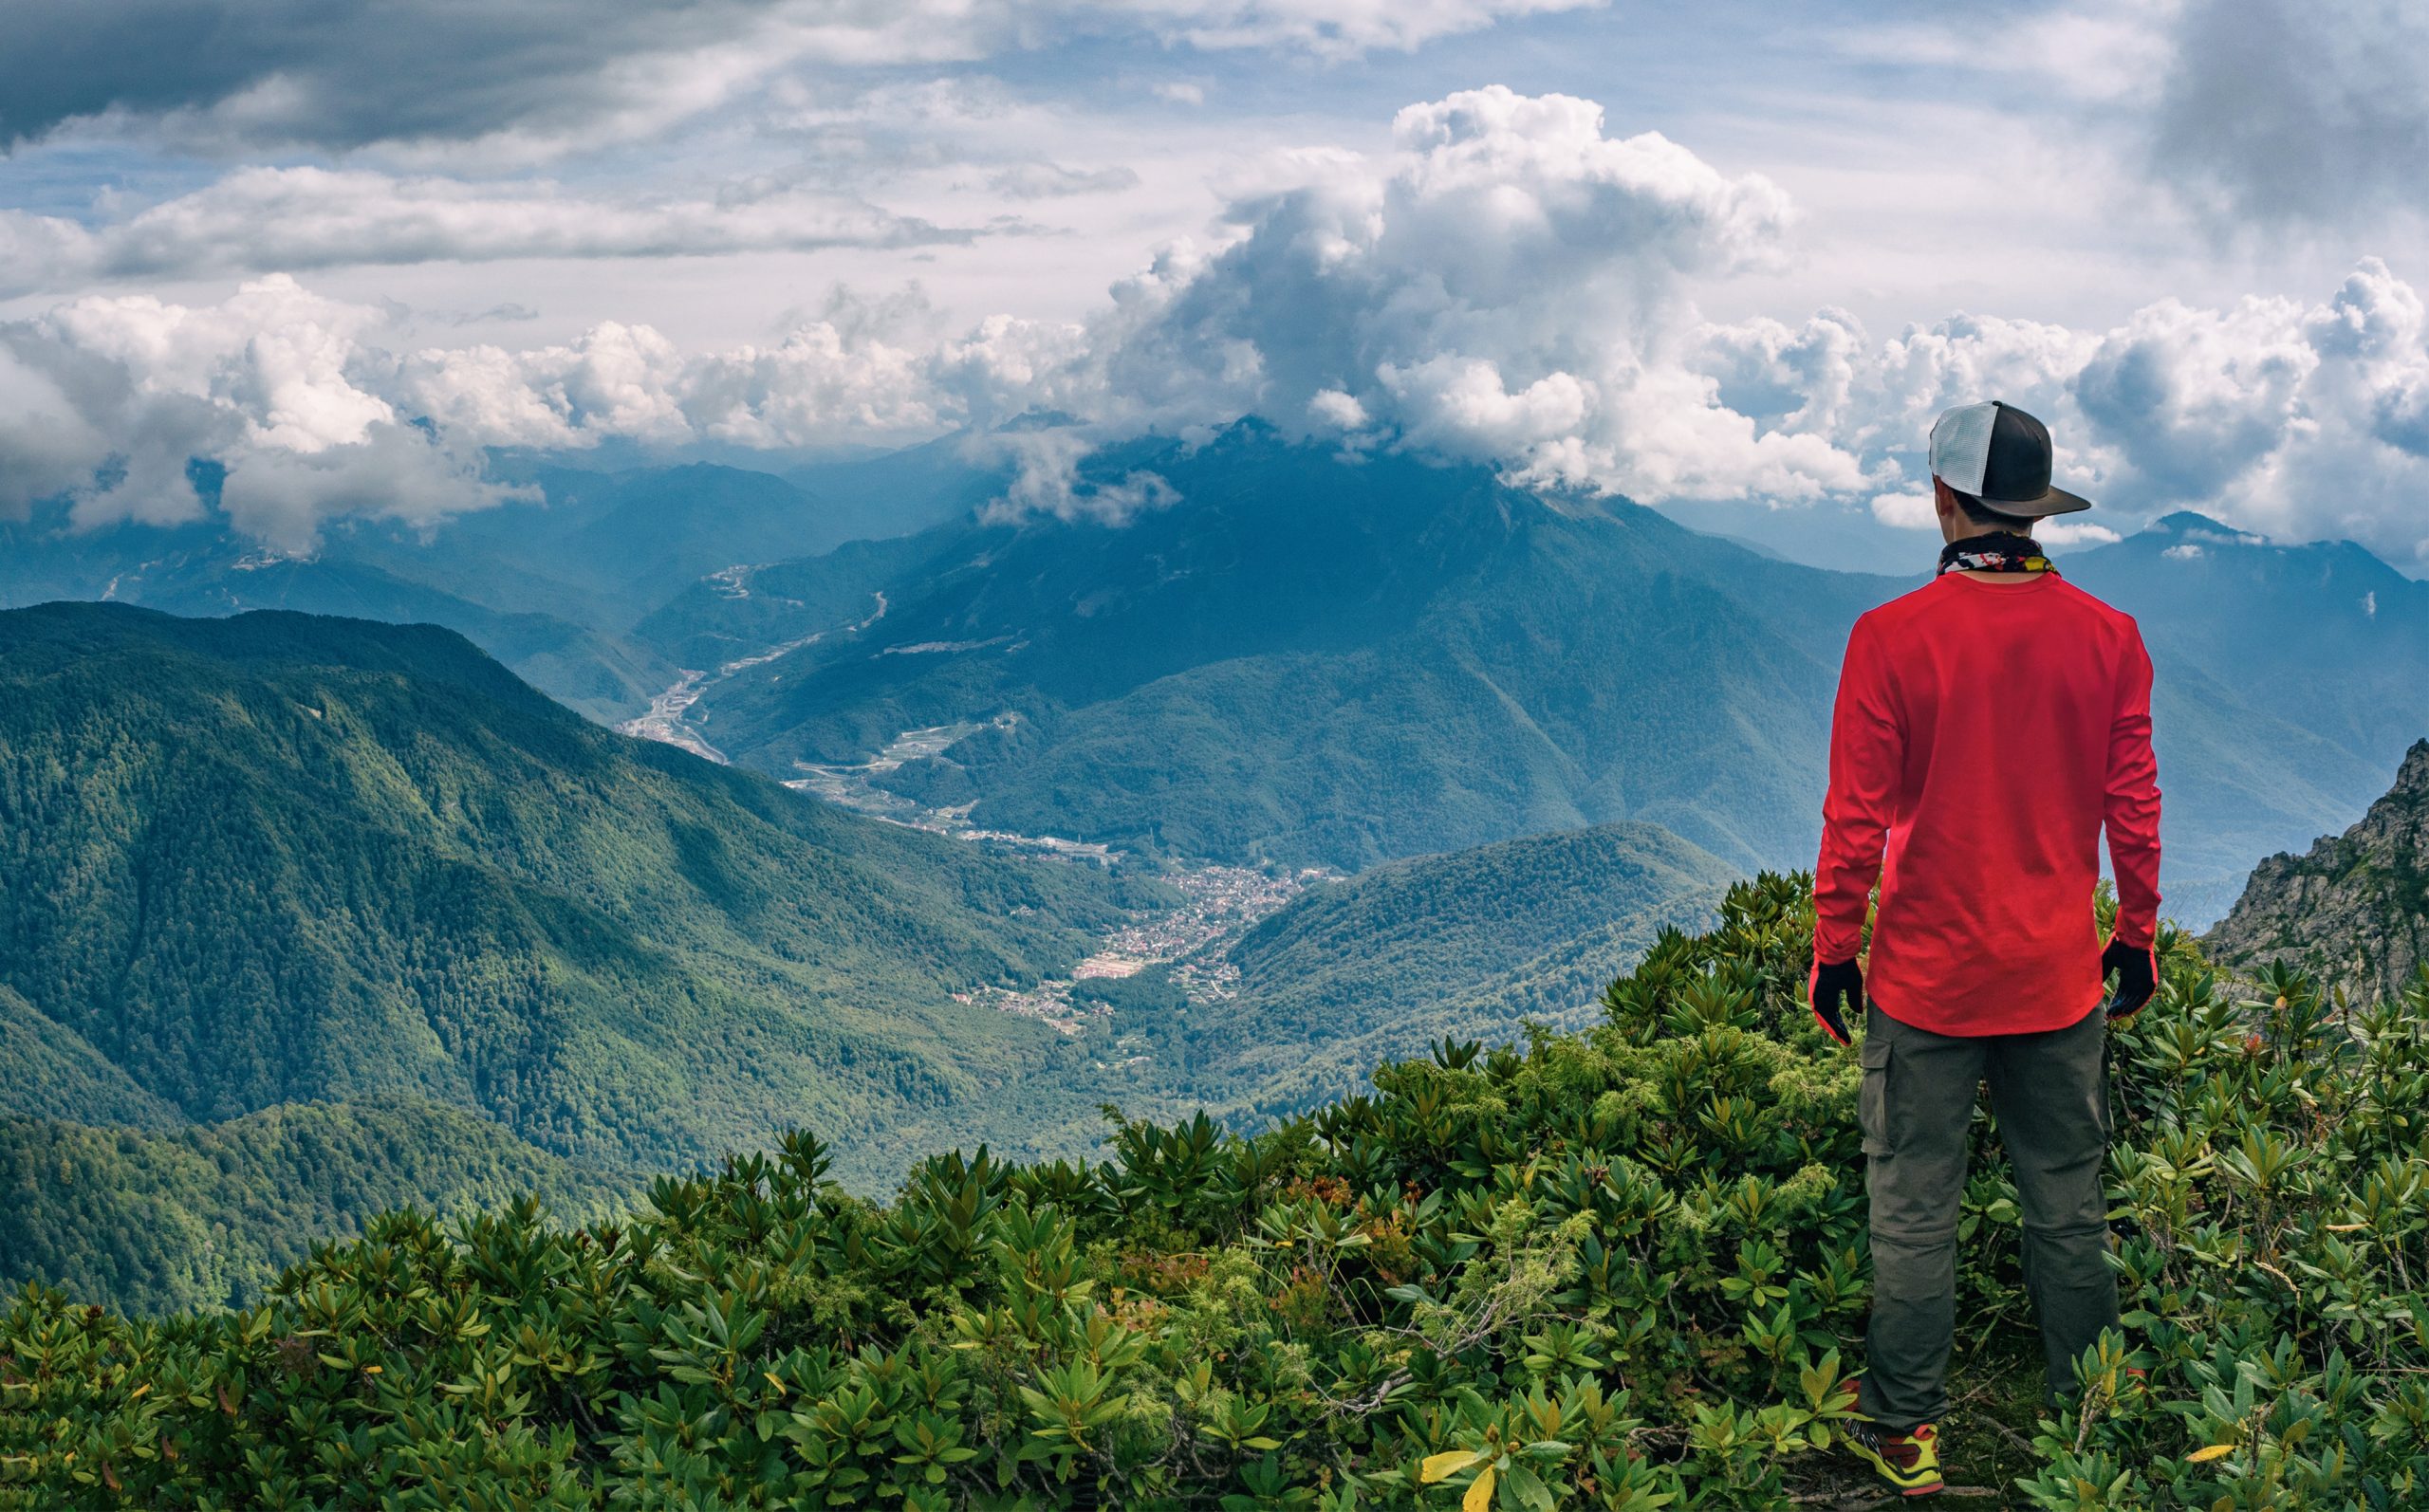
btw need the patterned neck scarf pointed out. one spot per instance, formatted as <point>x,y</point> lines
<point>2000,551</point>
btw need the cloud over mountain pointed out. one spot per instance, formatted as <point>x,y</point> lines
<point>1509,281</point>
<point>112,400</point>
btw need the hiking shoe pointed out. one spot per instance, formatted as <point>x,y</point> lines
<point>1909,1461</point>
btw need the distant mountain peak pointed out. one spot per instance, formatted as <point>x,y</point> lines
<point>2201,528</point>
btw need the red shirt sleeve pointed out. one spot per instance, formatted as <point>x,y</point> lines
<point>2133,810</point>
<point>1867,754</point>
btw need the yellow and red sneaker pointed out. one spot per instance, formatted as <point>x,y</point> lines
<point>1909,1461</point>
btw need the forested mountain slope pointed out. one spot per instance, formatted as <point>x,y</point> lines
<point>549,582</point>
<point>277,857</point>
<point>200,1217</point>
<point>2291,679</point>
<point>1469,944</point>
<point>1307,657</point>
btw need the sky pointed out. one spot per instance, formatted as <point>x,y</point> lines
<point>1727,259</point>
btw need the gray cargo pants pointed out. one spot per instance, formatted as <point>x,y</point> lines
<point>2050,1093</point>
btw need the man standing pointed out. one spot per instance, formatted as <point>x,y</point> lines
<point>1988,727</point>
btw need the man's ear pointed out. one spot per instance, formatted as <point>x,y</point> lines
<point>1944,500</point>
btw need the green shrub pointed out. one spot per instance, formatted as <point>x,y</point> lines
<point>1622,1269</point>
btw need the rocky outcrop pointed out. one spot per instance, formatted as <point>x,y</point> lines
<point>2355,909</point>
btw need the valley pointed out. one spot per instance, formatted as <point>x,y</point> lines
<point>669,711</point>
<point>1218,903</point>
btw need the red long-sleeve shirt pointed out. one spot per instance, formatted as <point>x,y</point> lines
<point>1985,734</point>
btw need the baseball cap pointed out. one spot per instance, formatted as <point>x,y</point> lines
<point>2000,456</point>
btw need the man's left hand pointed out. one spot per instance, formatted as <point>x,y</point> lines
<point>2136,969</point>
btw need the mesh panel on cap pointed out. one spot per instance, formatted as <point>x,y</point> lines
<point>1961,446</point>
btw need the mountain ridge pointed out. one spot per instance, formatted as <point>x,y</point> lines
<point>278,857</point>
<point>2355,907</point>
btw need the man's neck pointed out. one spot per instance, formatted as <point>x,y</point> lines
<point>1993,546</point>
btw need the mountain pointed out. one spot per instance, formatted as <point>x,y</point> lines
<point>549,583</point>
<point>2355,908</point>
<point>1471,944</point>
<point>1314,660</point>
<point>1318,659</point>
<point>198,1217</point>
<point>277,859</point>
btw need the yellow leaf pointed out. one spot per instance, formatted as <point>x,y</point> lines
<point>371,1370</point>
<point>773,1381</point>
<point>2212,1452</point>
<point>1480,1494</point>
<point>1449,1463</point>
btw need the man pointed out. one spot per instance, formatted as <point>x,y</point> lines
<point>1988,727</point>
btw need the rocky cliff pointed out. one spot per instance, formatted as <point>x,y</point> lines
<point>2356,908</point>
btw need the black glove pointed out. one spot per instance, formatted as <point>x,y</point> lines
<point>1836,990</point>
<point>2136,969</point>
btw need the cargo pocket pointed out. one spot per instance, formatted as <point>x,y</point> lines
<point>1872,1102</point>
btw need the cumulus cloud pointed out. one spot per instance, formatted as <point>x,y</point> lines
<point>122,395</point>
<point>1509,283</point>
<point>544,75</point>
<point>297,219</point>
<point>2299,420</point>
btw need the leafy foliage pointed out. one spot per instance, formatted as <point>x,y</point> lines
<point>1616,1269</point>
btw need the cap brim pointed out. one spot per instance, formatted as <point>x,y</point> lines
<point>2057,501</point>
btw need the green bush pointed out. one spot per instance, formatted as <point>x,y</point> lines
<point>1622,1269</point>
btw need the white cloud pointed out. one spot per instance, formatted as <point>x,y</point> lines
<point>2074,533</point>
<point>1907,511</point>
<point>1046,480</point>
<point>274,384</point>
<point>1055,180</point>
<point>2186,552</point>
<point>1338,409</point>
<point>293,219</point>
<point>1507,283</point>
